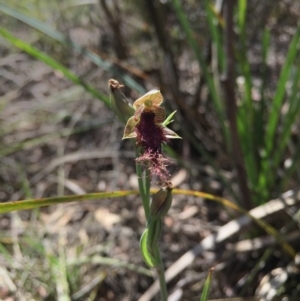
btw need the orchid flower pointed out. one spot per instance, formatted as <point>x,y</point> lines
<point>146,125</point>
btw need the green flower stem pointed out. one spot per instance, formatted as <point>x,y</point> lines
<point>144,187</point>
<point>147,183</point>
<point>145,194</point>
<point>161,276</point>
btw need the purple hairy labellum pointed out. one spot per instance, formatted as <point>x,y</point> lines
<point>149,134</point>
<point>146,125</point>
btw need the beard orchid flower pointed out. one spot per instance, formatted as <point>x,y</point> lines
<point>146,126</point>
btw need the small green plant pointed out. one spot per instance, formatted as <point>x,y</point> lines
<point>205,292</point>
<point>145,123</point>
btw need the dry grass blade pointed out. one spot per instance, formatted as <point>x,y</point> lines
<point>37,203</point>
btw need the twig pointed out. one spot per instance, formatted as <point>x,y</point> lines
<point>229,91</point>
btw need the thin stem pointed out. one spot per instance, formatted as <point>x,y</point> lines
<point>161,276</point>
<point>147,183</point>
<point>143,186</point>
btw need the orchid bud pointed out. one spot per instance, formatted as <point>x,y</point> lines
<point>161,201</point>
<point>118,101</point>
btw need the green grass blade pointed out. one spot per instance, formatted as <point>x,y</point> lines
<point>242,8</point>
<point>266,39</point>
<point>259,117</point>
<point>242,55</point>
<point>216,34</point>
<point>280,91</point>
<point>205,292</point>
<point>53,64</point>
<point>248,149</point>
<point>58,36</point>
<point>246,108</point>
<point>289,118</point>
<point>268,169</point>
<point>36,203</point>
